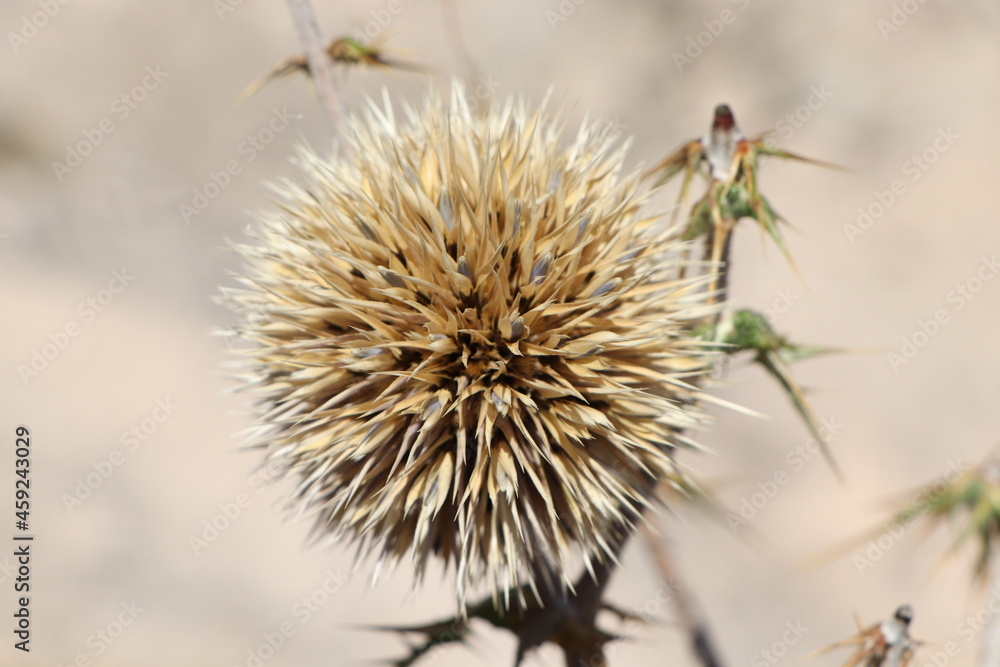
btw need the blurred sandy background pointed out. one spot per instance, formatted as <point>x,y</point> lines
<point>883,98</point>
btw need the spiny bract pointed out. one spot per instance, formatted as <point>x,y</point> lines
<point>469,341</point>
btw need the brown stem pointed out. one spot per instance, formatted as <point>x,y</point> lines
<point>570,620</point>
<point>319,63</point>
<point>717,250</point>
<point>687,607</point>
<point>588,599</point>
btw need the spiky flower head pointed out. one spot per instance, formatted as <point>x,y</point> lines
<point>469,341</point>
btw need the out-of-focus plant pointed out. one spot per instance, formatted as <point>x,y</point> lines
<point>970,504</point>
<point>885,644</point>
<point>345,51</point>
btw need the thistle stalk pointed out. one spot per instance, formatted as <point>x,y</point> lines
<point>991,634</point>
<point>313,44</point>
<point>694,623</point>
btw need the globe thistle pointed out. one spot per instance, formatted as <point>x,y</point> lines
<point>469,341</point>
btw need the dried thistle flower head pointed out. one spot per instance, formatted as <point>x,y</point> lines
<point>469,343</point>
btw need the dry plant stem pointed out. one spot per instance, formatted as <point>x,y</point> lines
<point>453,31</point>
<point>571,619</point>
<point>319,63</point>
<point>589,591</point>
<point>991,635</point>
<point>717,249</point>
<point>717,252</point>
<point>687,608</point>
<point>579,612</point>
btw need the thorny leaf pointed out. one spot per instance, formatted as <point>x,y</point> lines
<point>972,499</point>
<point>433,634</point>
<point>747,330</point>
<point>534,625</point>
<point>344,50</point>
